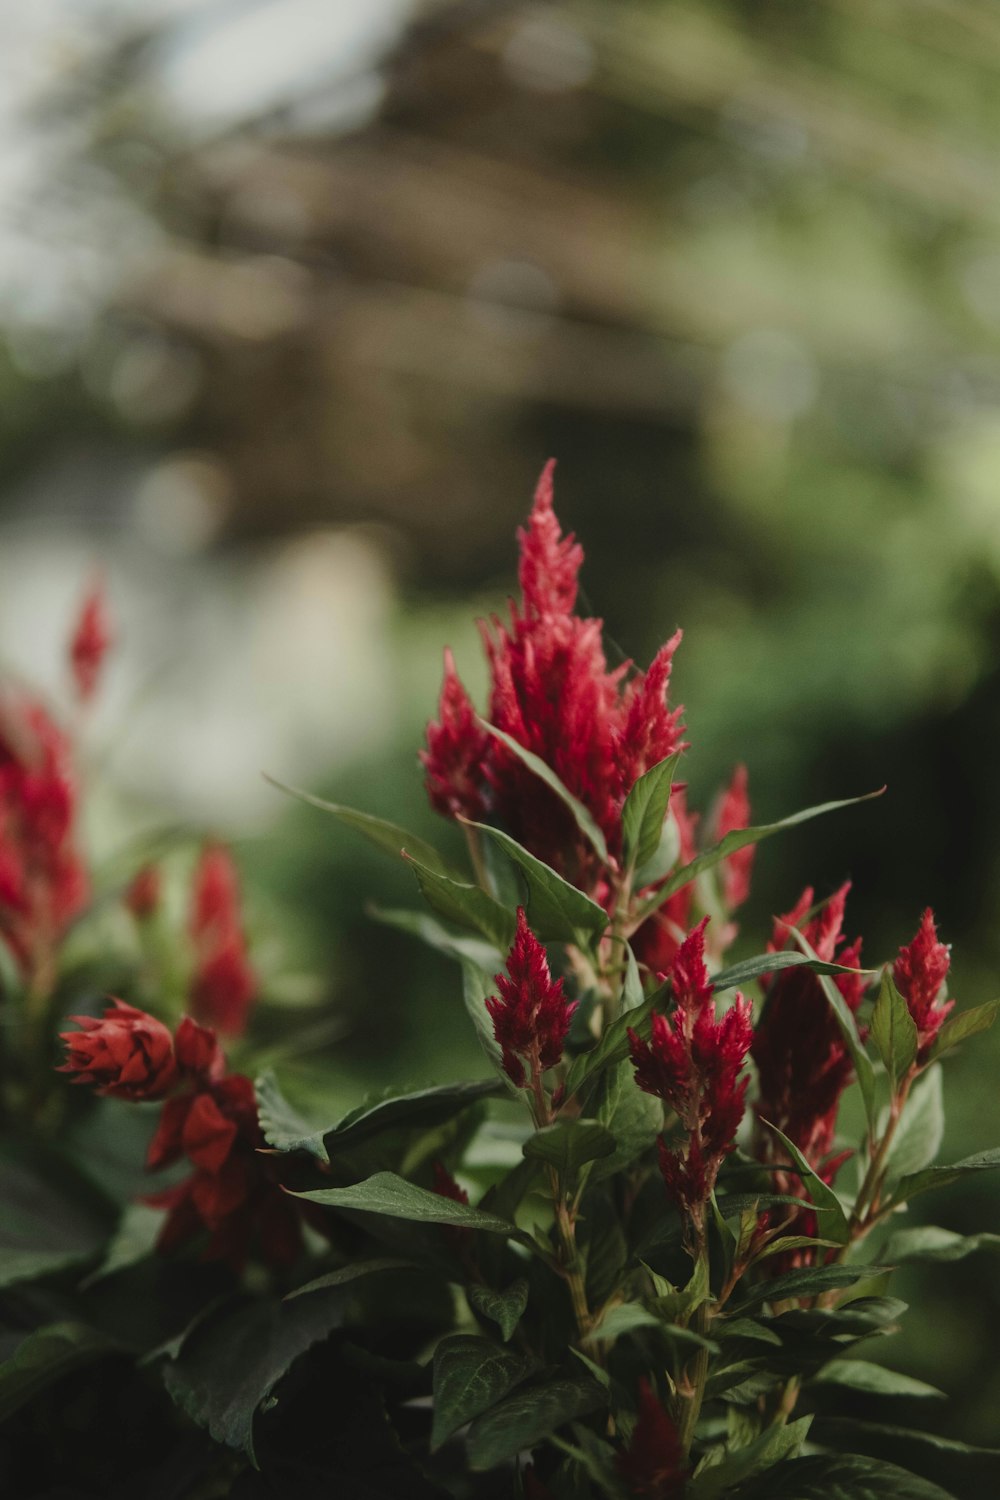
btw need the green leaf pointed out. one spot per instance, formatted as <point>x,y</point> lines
<point>134,1239</point>
<point>570,1144</point>
<point>468,905</point>
<point>832,1220</point>
<point>282,1125</point>
<point>848,1027</point>
<point>477,984</point>
<point>644,811</point>
<point>774,1444</point>
<point>808,1281</point>
<point>927,1242</point>
<point>967,1023</point>
<point>921,1128</point>
<point>582,816</point>
<point>974,1472</point>
<point>633,1117</point>
<point>934,1177</point>
<point>831,1476</point>
<point>378,831</point>
<point>422,925</point>
<point>613,1045</point>
<point>876,1380</point>
<point>502,1308</point>
<point>356,1270</point>
<point>423,1108</point>
<point>44,1357</point>
<point>471,1374</point>
<point>745,972</point>
<point>793,1242</point>
<point>739,839</point>
<point>385,1193</point>
<point>894,1031</point>
<point>233,1361</point>
<point>528,1415</point>
<point>628,1317</point>
<point>556,910</point>
<point>664,858</point>
<point>633,994</point>
<point>49,1219</point>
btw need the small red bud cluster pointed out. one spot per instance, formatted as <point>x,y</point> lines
<point>531,1016</point>
<point>224,984</point>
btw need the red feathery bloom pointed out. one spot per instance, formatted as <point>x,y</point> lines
<point>733,813</point>
<point>142,894</point>
<point>445,1185</point>
<point>531,1016</point>
<point>552,691</point>
<point>693,1062</point>
<point>919,972</point>
<point>652,1463</point>
<point>230,1193</point>
<point>802,1060</point>
<point>43,881</point>
<point>91,638</point>
<point>128,1054</point>
<point>224,984</point>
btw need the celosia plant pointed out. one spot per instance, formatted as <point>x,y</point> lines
<point>639,1256</point>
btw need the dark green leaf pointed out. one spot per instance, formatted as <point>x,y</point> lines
<point>839,1477</point>
<point>422,925</point>
<point>809,1281</point>
<point>833,1223</point>
<point>974,1472</point>
<point>570,1144</point>
<point>556,910</point>
<point>385,1193</point>
<point>423,1108</point>
<point>628,1317</point>
<point>633,1117</point>
<point>967,1023</point>
<point>934,1177</point>
<point>49,1219</point>
<point>920,1130</point>
<point>502,1308</point>
<point>233,1361</point>
<point>527,1416</point>
<point>793,1242</point>
<point>613,1045</point>
<point>774,1444</point>
<point>644,811</point>
<point>44,1357</point>
<point>750,969</point>
<point>468,905</point>
<point>930,1243</point>
<point>384,835</point>
<point>477,985</point>
<point>876,1380</point>
<point>739,839</point>
<point>471,1374</point>
<point>894,1031</point>
<point>582,816</point>
<point>283,1127</point>
<point>355,1271</point>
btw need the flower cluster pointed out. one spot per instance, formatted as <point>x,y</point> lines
<point>803,1063</point>
<point>224,984</point>
<point>919,973</point>
<point>209,1117</point>
<point>693,1062</point>
<point>652,1463</point>
<point>531,1015</point>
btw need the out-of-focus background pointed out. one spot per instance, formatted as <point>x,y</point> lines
<point>297,295</point>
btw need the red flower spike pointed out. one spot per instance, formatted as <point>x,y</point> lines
<point>652,1463</point>
<point>224,983</point>
<point>549,563</point>
<point>531,1016</point>
<point>693,1062</point>
<point>446,1187</point>
<point>89,643</point>
<point>919,973</point>
<point>199,1056</point>
<point>143,893</point>
<point>456,750</point>
<point>126,1055</point>
<point>733,813</point>
<point>43,881</point>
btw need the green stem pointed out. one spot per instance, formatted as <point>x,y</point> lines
<point>699,1374</point>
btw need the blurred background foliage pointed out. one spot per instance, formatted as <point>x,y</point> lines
<point>296,297</point>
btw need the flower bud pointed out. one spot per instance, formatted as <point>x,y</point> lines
<point>126,1055</point>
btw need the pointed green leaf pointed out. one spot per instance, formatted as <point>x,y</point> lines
<point>471,1374</point>
<point>556,910</point>
<point>644,811</point>
<point>468,905</point>
<point>583,817</point>
<point>749,969</point>
<point>613,1044</point>
<point>837,1476</point>
<point>928,1242</point>
<point>423,1108</point>
<point>632,992</point>
<point>355,1270</point>
<point>739,839</point>
<point>386,1193</point>
<point>967,1023</point>
<point>829,1209</point>
<point>528,1415</point>
<point>570,1144</point>
<point>45,1356</point>
<point>860,1375</point>
<point>628,1317</point>
<point>502,1308</point>
<point>283,1127</point>
<point>894,1031</point>
<point>774,1444</point>
<point>921,1128</point>
<point>422,925</point>
<point>934,1177</point>
<point>793,1242</point>
<point>378,831</point>
<point>809,1281</point>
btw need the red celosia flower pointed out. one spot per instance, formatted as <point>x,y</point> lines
<point>552,692</point>
<point>199,1056</point>
<point>445,1185</point>
<point>224,984</point>
<point>802,1060</point>
<point>89,642</point>
<point>652,1463</point>
<point>919,972</point>
<point>43,881</point>
<point>128,1054</point>
<point>142,895</point>
<point>733,813</point>
<point>531,1016</point>
<point>693,1062</point>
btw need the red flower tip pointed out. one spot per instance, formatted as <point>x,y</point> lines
<point>919,973</point>
<point>126,1055</point>
<point>224,984</point>
<point>531,1016</point>
<point>456,749</point>
<point>142,895</point>
<point>734,813</point>
<point>549,562</point>
<point>90,641</point>
<point>652,1462</point>
<point>199,1056</point>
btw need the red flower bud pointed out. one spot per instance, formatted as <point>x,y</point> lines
<point>142,895</point>
<point>89,643</point>
<point>734,813</point>
<point>652,1462</point>
<point>531,1016</point>
<point>919,973</point>
<point>127,1055</point>
<point>198,1053</point>
<point>224,984</point>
